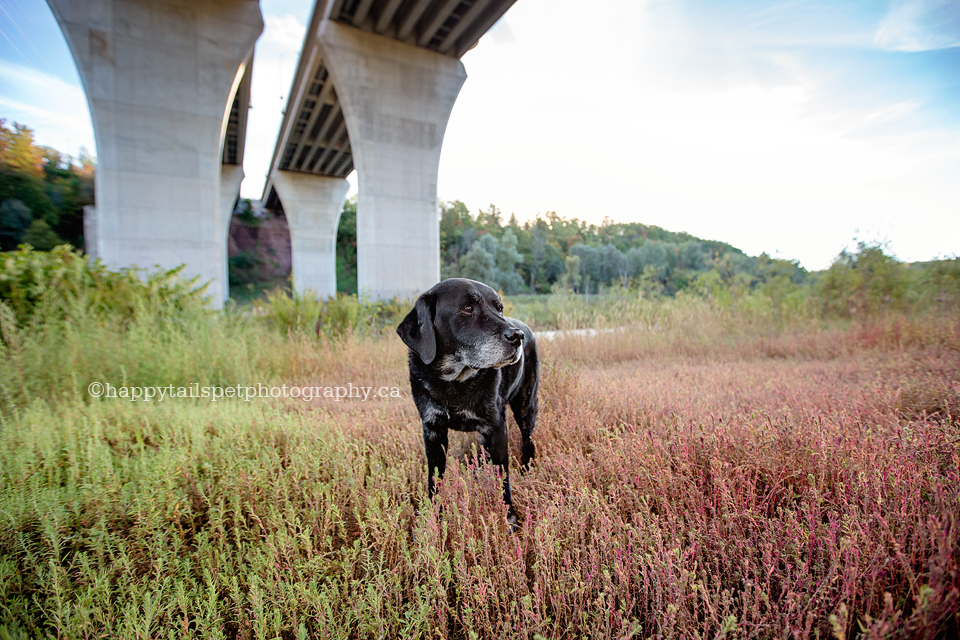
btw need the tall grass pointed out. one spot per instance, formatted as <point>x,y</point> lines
<point>699,475</point>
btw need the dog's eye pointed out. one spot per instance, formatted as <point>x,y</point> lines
<point>467,310</point>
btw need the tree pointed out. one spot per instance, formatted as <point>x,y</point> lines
<point>690,256</point>
<point>614,265</point>
<point>589,264</point>
<point>41,237</point>
<point>538,251</point>
<point>494,262</point>
<point>46,182</point>
<point>508,280</point>
<point>480,262</point>
<point>15,219</point>
<point>651,253</point>
<point>346,250</point>
<point>18,151</point>
<point>571,275</point>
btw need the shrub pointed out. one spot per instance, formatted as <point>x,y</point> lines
<point>40,286</point>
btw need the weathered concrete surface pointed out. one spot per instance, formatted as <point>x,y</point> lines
<point>160,76</point>
<point>90,231</point>
<point>396,99</point>
<point>230,178</point>
<point>312,206</point>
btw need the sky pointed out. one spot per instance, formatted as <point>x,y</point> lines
<point>792,128</point>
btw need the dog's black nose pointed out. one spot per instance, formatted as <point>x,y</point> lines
<point>513,336</point>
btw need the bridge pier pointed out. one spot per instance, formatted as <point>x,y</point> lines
<point>160,77</point>
<point>396,99</point>
<point>231,175</point>
<point>312,205</point>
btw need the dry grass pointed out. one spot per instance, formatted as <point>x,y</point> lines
<point>690,483</point>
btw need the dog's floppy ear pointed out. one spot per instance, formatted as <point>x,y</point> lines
<point>417,332</point>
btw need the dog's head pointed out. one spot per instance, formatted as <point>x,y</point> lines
<point>460,323</point>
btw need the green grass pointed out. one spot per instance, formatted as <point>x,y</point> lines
<point>244,295</point>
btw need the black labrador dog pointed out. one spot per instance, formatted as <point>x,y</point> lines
<point>467,363</point>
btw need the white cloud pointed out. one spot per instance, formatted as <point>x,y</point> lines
<point>285,31</point>
<point>920,25</point>
<point>56,110</point>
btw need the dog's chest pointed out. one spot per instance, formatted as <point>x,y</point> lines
<point>461,406</point>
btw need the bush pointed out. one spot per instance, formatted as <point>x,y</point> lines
<point>64,282</point>
<point>66,322</point>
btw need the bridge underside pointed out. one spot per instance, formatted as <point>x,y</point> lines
<point>391,61</point>
<point>317,141</point>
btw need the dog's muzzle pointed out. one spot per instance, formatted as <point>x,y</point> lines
<point>513,336</point>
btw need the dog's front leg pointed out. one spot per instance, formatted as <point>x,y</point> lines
<point>435,443</point>
<point>495,442</point>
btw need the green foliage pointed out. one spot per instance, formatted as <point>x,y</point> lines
<point>242,268</point>
<point>347,248</point>
<point>612,254</point>
<point>304,313</point>
<point>50,186</point>
<point>66,322</point>
<point>41,237</point>
<point>494,262</point>
<point>292,313</point>
<point>247,214</point>
<point>866,282</point>
<point>480,262</point>
<point>571,275</point>
<point>15,219</point>
<point>43,286</point>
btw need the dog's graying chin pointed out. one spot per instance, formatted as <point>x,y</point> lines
<point>459,367</point>
<point>464,363</point>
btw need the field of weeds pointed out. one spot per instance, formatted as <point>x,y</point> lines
<point>691,483</point>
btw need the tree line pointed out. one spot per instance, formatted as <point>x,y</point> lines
<point>551,254</point>
<point>42,192</point>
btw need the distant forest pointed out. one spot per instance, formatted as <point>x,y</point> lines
<point>551,252</point>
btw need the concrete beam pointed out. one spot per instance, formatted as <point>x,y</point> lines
<point>312,205</point>
<point>396,99</point>
<point>465,21</point>
<point>411,18</point>
<point>230,179</point>
<point>386,17</point>
<point>160,78</point>
<point>436,21</point>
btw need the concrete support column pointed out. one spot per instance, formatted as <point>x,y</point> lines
<point>312,205</point>
<point>396,99</point>
<point>160,77</point>
<point>231,175</point>
<point>90,245</point>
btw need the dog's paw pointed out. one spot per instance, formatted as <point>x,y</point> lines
<point>527,455</point>
<point>513,523</point>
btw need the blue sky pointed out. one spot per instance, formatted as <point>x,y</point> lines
<point>785,127</point>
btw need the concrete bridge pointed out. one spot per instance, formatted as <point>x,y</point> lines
<point>168,85</point>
